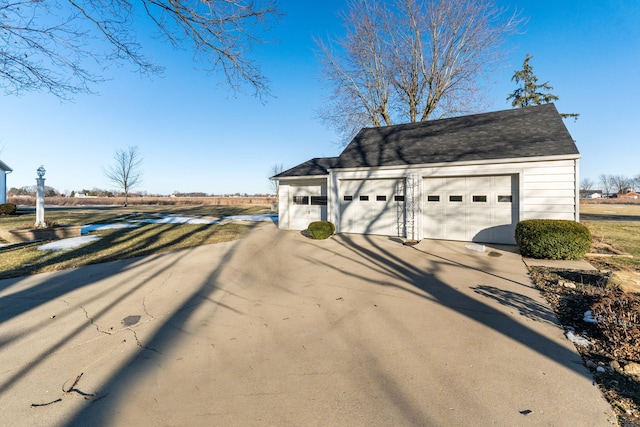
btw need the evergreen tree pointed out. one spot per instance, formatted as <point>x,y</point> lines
<point>530,92</point>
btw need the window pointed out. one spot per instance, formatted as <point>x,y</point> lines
<point>364,198</point>
<point>348,198</point>
<point>455,198</point>
<point>433,198</point>
<point>319,200</point>
<point>480,199</point>
<point>398,198</point>
<point>381,198</point>
<point>300,200</point>
<point>505,198</point>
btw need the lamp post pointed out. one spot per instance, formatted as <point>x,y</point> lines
<point>40,198</point>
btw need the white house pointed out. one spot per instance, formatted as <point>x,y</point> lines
<point>4,170</point>
<point>468,178</point>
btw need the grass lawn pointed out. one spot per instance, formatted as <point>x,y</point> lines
<point>619,227</point>
<point>146,239</point>
<point>602,210</point>
<point>621,235</point>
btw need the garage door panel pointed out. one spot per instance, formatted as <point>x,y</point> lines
<point>348,186</point>
<point>482,235</point>
<point>434,230</point>
<point>434,185</point>
<point>480,208</point>
<point>455,184</point>
<point>480,183</point>
<point>478,216</point>
<point>454,232</point>
<point>503,181</point>
<point>455,214</point>
<point>380,213</point>
<point>503,216</point>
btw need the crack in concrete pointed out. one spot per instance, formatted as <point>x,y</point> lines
<point>144,307</point>
<point>135,335</point>
<point>89,318</point>
<point>144,298</point>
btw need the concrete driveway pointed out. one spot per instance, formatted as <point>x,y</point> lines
<point>277,329</point>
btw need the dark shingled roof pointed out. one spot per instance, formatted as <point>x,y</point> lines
<point>522,132</point>
<point>317,166</point>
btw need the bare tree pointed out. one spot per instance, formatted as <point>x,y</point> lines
<point>125,172</point>
<point>53,45</point>
<point>586,184</point>
<point>607,183</point>
<point>636,182</point>
<point>621,183</point>
<point>275,170</point>
<point>410,60</point>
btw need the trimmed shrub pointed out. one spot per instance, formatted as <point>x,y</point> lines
<point>552,239</point>
<point>321,229</point>
<point>7,209</point>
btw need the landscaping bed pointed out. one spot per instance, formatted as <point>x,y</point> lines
<point>608,339</point>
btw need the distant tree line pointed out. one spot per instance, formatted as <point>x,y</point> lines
<point>200,194</point>
<point>30,190</point>
<point>612,184</point>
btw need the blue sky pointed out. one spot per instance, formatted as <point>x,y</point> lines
<point>196,136</point>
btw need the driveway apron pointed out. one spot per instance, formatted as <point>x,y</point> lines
<point>278,329</point>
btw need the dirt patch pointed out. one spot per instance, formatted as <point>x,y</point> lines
<point>607,321</point>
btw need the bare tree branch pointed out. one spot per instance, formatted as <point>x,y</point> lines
<point>275,170</point>
<point>586,184</point>
<point>55,45</point>
<point>606,181</point>
<point>410,60</point>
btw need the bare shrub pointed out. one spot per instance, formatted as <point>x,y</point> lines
<point>618,319</point>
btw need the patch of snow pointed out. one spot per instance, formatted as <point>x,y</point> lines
<point>176,220</point>
<point>258,217</point>
<point>479,248</point>
<point>577,339</point>
<point>70,243</point>
<point>191,220</point>
<point>79,241</point>
<point>93,227</point>
<point>588,317</point>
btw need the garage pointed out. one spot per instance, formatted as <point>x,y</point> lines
<point>466,178</point>
<point>471,208</point>
<point>372,206</point>
<point>308,203</point>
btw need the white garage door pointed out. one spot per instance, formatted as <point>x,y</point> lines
<point>307,203</point>
<point>478,208</point>
<point>372,206</point>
